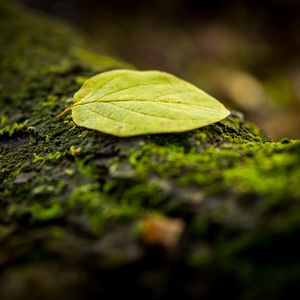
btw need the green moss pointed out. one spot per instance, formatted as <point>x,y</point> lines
<point>98,62</point>
<point>97,209</point>
<point>42,213</point>
<point>274,174</point>
<point>51,156</point>
<point>14,128</point>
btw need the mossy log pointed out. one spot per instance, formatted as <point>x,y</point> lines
<point>198,215</point>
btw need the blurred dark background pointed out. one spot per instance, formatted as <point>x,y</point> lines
<point>245,53</point>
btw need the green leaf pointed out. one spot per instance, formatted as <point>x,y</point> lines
<point>128,103</point>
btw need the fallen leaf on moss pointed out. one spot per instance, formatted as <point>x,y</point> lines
<point>128,103</point>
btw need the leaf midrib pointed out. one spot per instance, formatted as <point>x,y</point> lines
<point>139,113</point>
<point>131,87</point>
<point>202,105</point>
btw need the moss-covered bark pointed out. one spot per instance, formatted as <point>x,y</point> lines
<point>85,215</point>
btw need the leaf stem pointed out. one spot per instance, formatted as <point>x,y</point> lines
<point>65,112</point>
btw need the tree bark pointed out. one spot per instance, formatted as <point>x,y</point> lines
<point>83,215</point>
